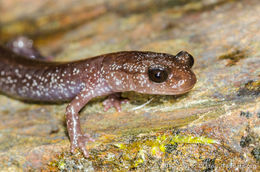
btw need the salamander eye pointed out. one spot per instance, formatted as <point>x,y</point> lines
<point>158,75</point>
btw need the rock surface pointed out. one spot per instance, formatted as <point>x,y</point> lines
<point>216,126</point>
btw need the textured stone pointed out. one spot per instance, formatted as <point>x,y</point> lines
<point>222,35</point>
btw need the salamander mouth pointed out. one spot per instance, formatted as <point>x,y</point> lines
<point>182,91</point>
<point>175,92</point>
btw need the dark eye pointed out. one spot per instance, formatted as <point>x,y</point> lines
<point>158,75</point>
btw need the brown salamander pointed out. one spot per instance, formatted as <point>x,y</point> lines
<point>80,81</point>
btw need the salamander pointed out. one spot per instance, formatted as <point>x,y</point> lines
<point>26,76</point>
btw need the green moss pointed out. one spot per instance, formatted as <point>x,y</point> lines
<point>140,150</point>
<point>66,162</point>
<point>190,139</point>
<point>234,55</point>
<point>256,153</point>
<point>250,88</point>
<point>61,165</point>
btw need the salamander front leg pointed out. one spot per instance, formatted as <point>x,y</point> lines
<point>114,100</point>
<point>77,138</point>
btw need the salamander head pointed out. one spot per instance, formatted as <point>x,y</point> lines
<point>149,72</point>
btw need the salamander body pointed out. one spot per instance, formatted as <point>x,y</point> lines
<point>78,82</point>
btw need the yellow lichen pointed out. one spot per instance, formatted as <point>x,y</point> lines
<point>190,139</point>
<point>137,150</point>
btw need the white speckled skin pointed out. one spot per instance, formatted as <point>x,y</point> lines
<point>128,71</point>
<point>80,81</point>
